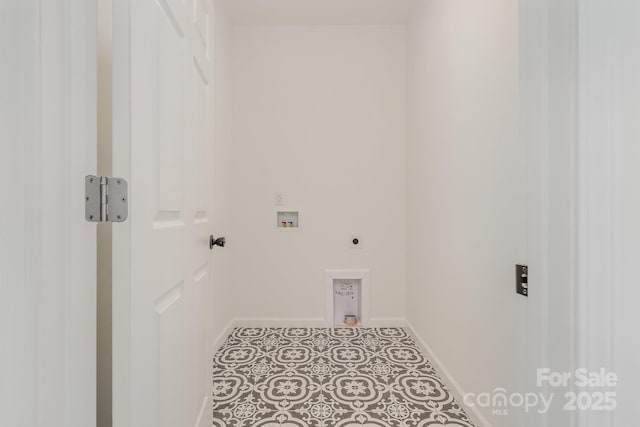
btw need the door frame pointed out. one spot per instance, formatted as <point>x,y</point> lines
<point>597,195</point>
<point>592,193</point>
<point>121,258</point>
<point>533,30</point>
<point>536,76</point>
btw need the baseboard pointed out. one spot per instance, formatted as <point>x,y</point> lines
<point>220,339</point>
<point>244,322</point>
<point>456,389</point>
<point>391,322</point>
<point>204,418</point>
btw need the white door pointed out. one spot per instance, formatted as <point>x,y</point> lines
<point>162,97</point>
<point>47,249</point>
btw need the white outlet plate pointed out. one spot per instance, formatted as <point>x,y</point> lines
<point>278,199</point>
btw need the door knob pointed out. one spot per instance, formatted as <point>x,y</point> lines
<point>220,241</point>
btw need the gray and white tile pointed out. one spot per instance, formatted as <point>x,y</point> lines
<point>322,377</point>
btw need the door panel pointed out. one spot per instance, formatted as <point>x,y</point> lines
<point>170,368</point>
<point>202,182</point>
<point>201,21</point>
<point>161,343</point>
<point>169,55</point>
<point>47,250</point>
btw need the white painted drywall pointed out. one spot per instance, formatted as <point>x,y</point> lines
<point>223,308</point>
<point>314,12</point>
<point>319,114</point>
<point>467,192</point>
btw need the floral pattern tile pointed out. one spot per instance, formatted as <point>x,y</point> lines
<point>325,377</point>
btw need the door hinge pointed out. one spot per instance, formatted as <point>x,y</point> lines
<point>106,199</point>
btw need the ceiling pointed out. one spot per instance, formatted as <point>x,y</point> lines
<point>318,12</point>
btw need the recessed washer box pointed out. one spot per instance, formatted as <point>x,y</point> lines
<point>287,219</point>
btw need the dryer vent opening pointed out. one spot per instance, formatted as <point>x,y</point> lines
<point>347,310</point>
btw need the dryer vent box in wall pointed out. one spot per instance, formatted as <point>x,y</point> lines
<point>347,294</point>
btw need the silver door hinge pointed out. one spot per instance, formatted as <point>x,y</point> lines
<point>106,199</point>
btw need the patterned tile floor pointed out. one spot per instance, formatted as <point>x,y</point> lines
<point>317,377</point>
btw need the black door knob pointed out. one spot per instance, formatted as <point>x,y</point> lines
<point>220,241</point>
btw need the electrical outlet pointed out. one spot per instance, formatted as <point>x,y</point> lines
<point>278,199</point>
<point>522,280</point>
<point>355,242</point>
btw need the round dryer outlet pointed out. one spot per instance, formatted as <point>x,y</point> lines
<point>355,242</point>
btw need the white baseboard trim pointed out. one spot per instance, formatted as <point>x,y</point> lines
<point>220,339</point>
<point>454,386</point>
<point>202,419</point>
<point>244,322</point>
<point>391,322</point>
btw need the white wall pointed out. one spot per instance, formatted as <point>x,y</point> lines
<point>319,114</point>
<point>467,192</point>
<point>223,309</point>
